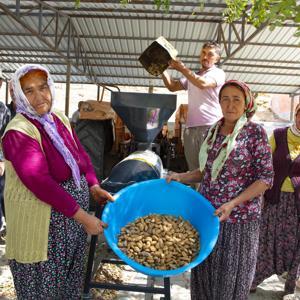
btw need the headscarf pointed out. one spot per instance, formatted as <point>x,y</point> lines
<point>23,106</point>
<point>295,130</point>
<point>229,142</point>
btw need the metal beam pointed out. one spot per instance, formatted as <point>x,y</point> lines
<point>297,92</point>
<point>292,108</point>
<point>150,39</point>
<point>94,12</point>
<point>244,43</point>
<point>148,77</point>
<point>62,22</point>
<point>6,91</point>
<point>151,77</point>
<point>263,66</point>
<point>136,64</point>
<point>124,55</point>
<point>106,37</point>
<point>68,81</point>
<point>136,84</point>
<point>99,12</point>
<point>145,2</point>
<point>190,18</point>
<point>162,86</point>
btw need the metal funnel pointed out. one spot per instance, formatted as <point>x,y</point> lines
<point>144,114</point>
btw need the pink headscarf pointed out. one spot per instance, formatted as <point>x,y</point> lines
<point>249,99</point>
<point>228,143</point>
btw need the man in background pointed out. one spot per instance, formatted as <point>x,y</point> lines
<point>203,103</point>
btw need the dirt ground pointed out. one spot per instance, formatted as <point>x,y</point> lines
<point>270,289</point>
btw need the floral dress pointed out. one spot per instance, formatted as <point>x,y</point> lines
<point>228,272</point>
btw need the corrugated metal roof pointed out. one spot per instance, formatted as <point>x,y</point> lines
<point>112,36</point>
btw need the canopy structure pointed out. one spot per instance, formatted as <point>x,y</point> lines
<point>100,42</point>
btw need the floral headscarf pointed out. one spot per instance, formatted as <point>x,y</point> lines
<point>24,107</point>
<point>229,142</point>
<point>295,130</point>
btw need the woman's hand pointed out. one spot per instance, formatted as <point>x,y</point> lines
<point>2,168</point>
<point>224,211</point>
<point>91,224</point>
<point>173,176</point>
<point>186,178</point>
<point>99,195</point>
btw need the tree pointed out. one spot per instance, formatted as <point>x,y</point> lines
<point>273,12</point>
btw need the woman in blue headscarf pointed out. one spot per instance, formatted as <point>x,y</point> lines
<point>49,178</point>
<point>235,170</point>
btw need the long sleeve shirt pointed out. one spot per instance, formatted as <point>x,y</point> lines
<point>249,161</point>
<point>43,169</point>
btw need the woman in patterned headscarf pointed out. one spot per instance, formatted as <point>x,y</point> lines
<point>280,225</point>
<point>49,178</point>
<point>235,169</point>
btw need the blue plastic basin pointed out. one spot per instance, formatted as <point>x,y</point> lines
<point>158,197</point>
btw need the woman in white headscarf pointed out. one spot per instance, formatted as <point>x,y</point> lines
<point>235,169</point>
<point>279,247</point>
<point>49,178</point>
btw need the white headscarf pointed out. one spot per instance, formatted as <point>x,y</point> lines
<point>24,107</point>
<point>22,102</point>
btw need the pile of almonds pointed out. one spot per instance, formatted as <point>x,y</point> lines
<point>160,241</point>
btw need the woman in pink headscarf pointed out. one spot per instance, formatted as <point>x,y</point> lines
<point>235,169</point>
<point>49,178</point>
<point>279,247</point>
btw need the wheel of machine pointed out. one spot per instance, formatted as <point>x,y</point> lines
<point>92,137</point>
<point>91,134</point>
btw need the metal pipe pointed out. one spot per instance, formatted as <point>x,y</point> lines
<point>292,108</point>
<point>98,92</point>
<point>6,91</point>
<point>68,79</point>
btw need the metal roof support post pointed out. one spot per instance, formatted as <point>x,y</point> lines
<point>100,98</point>
<point>6,91</point>
<point>223,39</point>
<point>219,34</point>
<point>17,7</point>
<point>102,94</point>
<point>98,92</point>
<point>150,89</point>
<point>229,38</point>
<point>243,28</point>
<point>67,103</point>
<point>292,107</point>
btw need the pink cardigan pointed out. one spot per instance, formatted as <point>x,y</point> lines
<point>41,171</point>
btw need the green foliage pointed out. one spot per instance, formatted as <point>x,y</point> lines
<point>235,9</point>
<point>162,3</point>
<point>77,3</point>
<point>273,12</point>
<point>124,2</point>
